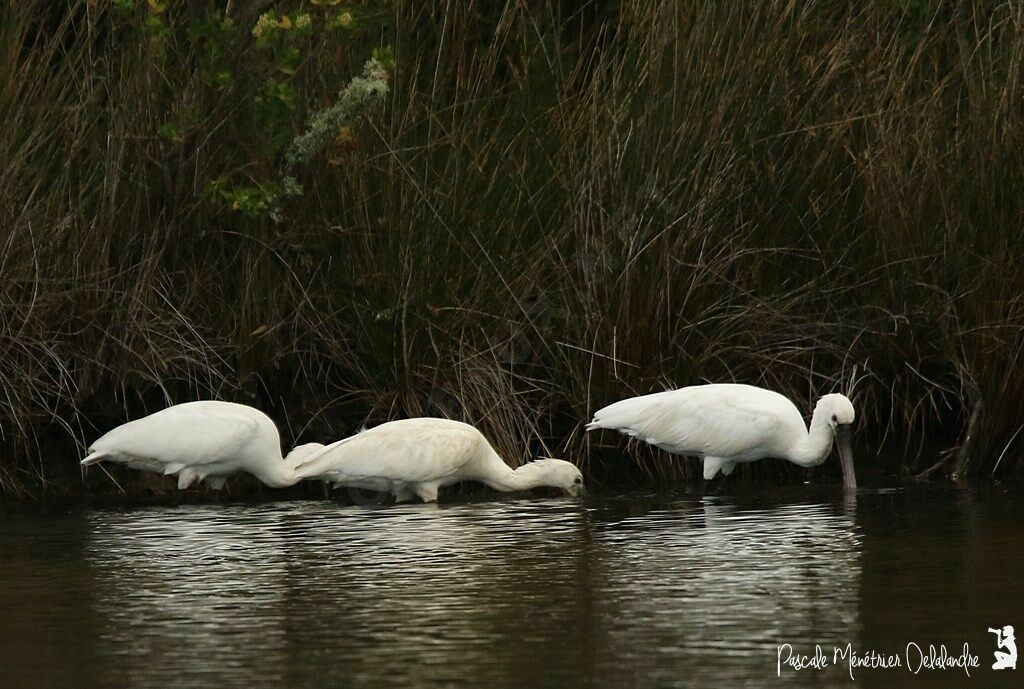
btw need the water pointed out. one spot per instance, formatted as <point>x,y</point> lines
<point>616,590</point>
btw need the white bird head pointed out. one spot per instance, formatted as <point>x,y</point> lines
<point>838,412</point>
<point>838,409</point>
<point>556,473</point>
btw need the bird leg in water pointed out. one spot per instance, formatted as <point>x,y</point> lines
<point>713,486</point>
<point>722,483</point>
<point>426,491</point>
<point>368,498</point>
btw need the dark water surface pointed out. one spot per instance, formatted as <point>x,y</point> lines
<point>615,590</point>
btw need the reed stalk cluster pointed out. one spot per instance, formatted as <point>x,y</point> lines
<point>549,207</point>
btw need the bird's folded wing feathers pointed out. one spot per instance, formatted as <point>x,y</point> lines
<point>379,453</point>
<point>190,436</point>
<point>687,422</point>
<point>314,462</point>
<point>719,428</point>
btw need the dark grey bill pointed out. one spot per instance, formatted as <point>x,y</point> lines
<point>846,456</point>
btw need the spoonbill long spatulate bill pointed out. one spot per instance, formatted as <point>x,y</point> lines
<point>198,441</point>
<point>419,456</point>
<point>725,424</point>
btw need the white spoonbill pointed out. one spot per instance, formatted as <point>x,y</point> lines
<point>725,424</point>
<point>418,456</point>
<point>199,441</point>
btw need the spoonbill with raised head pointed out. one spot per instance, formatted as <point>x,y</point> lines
<point>725,424</point>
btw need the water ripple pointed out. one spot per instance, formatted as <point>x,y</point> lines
<point>623,590</point>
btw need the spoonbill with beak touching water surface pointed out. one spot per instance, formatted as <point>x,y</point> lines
<point>725,424</point>
<point>418,456</point>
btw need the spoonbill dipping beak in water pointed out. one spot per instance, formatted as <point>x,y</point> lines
<point>418,456</point>
<point>725,424</point>
<point>199,441</point>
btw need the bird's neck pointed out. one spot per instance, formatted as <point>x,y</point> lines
<point>815,446</point>
<point>500,476</point>
<point>276,473</point>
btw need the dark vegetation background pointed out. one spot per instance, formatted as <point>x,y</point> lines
<point>558,204</point>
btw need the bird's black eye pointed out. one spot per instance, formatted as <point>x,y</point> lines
<point>834,418</point>
<point>578,480</point>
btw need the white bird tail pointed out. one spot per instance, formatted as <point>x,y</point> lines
<point>303,459</point>
<point>97,456</point>
<point>301,453</point>
<point>627,414</point>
